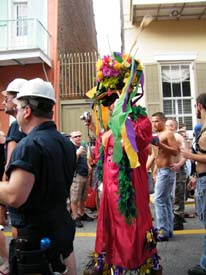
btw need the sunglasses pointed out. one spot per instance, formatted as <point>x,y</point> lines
<point>77,136</point>
<point>6,99</point>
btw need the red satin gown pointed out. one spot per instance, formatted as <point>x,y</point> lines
<point>124,243</point>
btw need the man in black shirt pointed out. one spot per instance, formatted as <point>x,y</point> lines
<point>79,188</point>
<point>13,134</point>
<point>12,138</point>
<point>40,173</point>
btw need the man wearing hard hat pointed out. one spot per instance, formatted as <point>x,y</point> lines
<point>40,173</point>
<point>12,138</point>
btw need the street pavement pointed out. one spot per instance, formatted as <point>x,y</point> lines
<point>177,255</point>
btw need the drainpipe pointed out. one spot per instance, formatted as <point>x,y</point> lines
<point>122,26</point>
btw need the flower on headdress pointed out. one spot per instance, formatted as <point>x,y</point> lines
<point>109,92</point>
<point>99,75</point>
<point>117,66</point>
<point>125,56</point>
<point>99,64</point>
<point>114,71</point>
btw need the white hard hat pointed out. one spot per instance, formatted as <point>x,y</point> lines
<point>38,88</point>
<point>14,86</point>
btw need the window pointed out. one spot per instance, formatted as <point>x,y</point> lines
<point>20,11</point>
<point>176,89</point>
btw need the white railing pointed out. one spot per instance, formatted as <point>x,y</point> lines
<point>23,34</point>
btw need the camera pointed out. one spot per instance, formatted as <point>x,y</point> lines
<point>86,116</point>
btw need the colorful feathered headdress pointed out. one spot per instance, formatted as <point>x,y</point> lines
<point>118,75</point>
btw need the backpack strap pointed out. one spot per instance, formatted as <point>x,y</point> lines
<point>197,144</point>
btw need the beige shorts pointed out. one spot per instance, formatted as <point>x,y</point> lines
<point>79,188</point>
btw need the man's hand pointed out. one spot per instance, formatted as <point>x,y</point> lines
<point>80,150</point>
<point>186,153</point>
<point>175,167</point>
<point>192,183</point>
<point>90,124</point>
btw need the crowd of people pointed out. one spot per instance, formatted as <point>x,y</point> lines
<point>46,177</point>
<point>179,165</point>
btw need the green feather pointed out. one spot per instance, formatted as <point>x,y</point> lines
<point>117,57</point>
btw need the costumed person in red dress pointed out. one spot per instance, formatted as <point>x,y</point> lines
<point>125,237</point>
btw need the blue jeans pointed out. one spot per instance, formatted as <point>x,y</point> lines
<point>163,201</point>
<point>201,211</point>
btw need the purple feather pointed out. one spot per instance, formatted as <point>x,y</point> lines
<point>131,134</point>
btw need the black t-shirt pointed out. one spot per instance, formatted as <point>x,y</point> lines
<point>51,158</point>
<point>13,133</point>
<point>81,165</point>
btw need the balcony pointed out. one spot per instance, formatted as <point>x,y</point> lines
<point>167,10</point>
<point>24,41</point>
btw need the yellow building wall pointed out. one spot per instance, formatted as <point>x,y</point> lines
<point>164,36</point>
<point>168,36</point>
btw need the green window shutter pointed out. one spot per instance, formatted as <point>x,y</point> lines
<point>200,71</point>
<point>153,97</point>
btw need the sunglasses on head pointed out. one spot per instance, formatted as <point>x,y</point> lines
<point>77,136</point>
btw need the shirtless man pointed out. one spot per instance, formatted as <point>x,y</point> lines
<point>200,158</point>
<point>180,168</point>
<point>165,176</point>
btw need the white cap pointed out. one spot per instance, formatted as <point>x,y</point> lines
<point>14,86</point>
<point>38,88</point>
